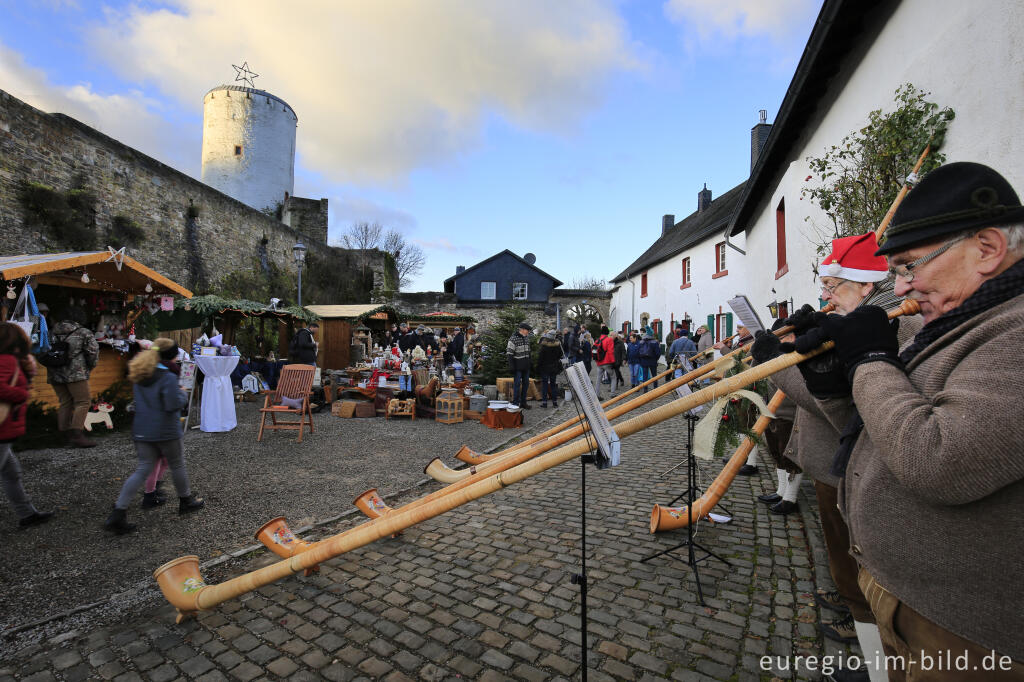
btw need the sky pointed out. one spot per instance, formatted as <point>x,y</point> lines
<point>565,129</point>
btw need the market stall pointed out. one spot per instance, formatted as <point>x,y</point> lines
<point>342,326</point>
<point>113,289</point>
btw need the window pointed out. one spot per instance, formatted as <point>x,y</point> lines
<point>686,274</point>
<point>784,310</point>
<point>643,285</point>
<point>720,270</point>
<point>723,325</point>
<point>238,150</point>
<point>488,291</point>
<point>519,291</point>
<point>780,238</point>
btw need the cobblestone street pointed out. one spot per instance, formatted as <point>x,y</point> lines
<point>484,592</point>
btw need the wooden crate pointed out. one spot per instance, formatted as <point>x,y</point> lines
<point>365,410</point>
<point>344,408</point>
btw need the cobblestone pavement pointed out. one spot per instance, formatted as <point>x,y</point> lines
<point>484,592</point>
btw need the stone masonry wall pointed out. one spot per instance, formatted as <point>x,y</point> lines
<point>57,150</point>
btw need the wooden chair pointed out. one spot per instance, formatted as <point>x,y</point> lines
<point>295,382</point>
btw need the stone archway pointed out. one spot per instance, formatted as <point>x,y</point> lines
<point>593,302</point>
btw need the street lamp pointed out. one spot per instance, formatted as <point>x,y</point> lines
<point>299,251</point>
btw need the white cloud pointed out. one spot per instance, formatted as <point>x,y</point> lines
<point>383,88</point>
<point>127,117</point>
<point>730,19</point>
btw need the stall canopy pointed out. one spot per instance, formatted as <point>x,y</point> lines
<point>192,313</point>
<point>336,329</point>
<point>355,312</point>
<point>107,271</point>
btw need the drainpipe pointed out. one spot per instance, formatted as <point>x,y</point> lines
<point>731,245</point>
<point>632,301</point>
<point>558,317</point>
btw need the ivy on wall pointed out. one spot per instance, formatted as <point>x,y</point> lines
<point>67,218</point>
<point>125,232</point>
<point>856,181</point>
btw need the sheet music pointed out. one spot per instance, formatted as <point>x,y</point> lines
<point>748,316</point>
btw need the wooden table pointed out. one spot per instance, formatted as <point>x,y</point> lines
<point>505,385</point>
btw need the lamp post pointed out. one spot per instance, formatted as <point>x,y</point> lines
<point>299,251</point>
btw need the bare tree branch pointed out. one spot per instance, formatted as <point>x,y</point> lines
<point>409,258</point>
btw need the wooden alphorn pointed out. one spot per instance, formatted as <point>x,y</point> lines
<point>183,586</point>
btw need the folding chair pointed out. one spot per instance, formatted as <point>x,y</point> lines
<point>295,383</point>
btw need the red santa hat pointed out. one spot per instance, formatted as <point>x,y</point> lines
<point>854,258</point>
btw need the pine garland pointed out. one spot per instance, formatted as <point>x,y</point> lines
<point>736,418</point>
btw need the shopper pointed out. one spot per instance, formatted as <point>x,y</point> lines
<point>156,431</point>
<point>17,368</point>
<point>71,382</point>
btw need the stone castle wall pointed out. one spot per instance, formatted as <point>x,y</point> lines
<point>62,153</point>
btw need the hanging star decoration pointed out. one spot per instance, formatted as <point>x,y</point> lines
<point>116,256</point>
<point>242,73</point>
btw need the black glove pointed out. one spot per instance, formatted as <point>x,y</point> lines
<point>766,346</point>
<point>802,319</point>
<point>825,374</point>
<point>865,335</point>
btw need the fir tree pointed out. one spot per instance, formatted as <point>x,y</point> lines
<point>495,341</point>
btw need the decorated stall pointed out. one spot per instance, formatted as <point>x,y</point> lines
<point>345,326</point>
<point>116,292</point>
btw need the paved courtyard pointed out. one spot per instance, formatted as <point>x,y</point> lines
<point>484,591</point>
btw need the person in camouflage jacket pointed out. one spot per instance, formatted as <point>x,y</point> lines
<point>71,382</point>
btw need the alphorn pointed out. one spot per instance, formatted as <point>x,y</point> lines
<point>671,518</point>
<point>182,585</point>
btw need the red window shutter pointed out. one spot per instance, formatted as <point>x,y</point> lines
<point>780,238</point>
<point>643,285</point>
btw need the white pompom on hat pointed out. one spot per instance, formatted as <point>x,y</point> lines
<point>854,259</point>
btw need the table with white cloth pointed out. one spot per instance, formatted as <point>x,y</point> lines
<point>218,401</point>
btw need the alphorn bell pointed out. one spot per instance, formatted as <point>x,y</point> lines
<point>279,539</point>
<point>371,504</point>
<point>182,584</point>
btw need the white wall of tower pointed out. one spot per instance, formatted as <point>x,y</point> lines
<point>249,145</point>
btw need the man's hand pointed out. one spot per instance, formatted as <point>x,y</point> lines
<point>766,346</point>
<point>865,335</point>
<point>802,319</point>
<point>824,375</point>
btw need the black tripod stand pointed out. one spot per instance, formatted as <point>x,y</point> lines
<point>691,494</point>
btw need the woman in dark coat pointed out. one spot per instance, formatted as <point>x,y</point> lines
<point>17,368</point>
<point>549,364</point>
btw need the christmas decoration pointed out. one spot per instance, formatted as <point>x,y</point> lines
<point>729,419</point>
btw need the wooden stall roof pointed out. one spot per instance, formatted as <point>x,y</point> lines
<point>65,269</point>
<point>358,311</point>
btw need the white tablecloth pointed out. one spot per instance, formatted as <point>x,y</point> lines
<point>218,413</point>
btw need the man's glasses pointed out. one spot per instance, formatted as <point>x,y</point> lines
<point>906,271</point>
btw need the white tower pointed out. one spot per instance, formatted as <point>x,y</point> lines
<point>249,145</point>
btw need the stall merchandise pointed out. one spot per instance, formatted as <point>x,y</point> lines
<point>218,400</point>
<point>112,289</point>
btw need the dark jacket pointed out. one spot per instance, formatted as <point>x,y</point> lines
<point>620,351</point>
<point>303,348</point>
<point>158,403</point>
<point>458,346</point>
<point>16,395</point>
<point>633,353</point>
<point>83,352</point>
<point>549,358</point>
<point>650,351</point>
<point>427,340</point>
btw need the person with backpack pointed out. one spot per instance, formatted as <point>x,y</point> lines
<point>303,348</point>
<point>633,358</point>
<point>70,377</point>
<point>604,356</point>
<point>156,430</point>
<point>650,351</point>
<point>16,371</point>
<point>620,356</point>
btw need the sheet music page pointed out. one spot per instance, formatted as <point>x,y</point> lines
<point>745,311</point>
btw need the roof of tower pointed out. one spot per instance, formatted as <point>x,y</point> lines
<point>251,91</point>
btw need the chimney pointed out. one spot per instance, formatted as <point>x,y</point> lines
<point>703,199</point>
<point>758,136</point>
<point>459,269</point>
<point>667,223</point>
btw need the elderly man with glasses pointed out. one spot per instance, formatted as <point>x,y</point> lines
<point>933,466</point>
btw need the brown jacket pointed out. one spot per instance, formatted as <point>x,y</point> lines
<point>934,492</point>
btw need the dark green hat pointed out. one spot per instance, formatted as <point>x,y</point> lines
<point>952,198</point>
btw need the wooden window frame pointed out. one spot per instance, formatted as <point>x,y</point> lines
<point>494,297</point>
<point>643,285</point>
<point>720,271</point>
<point>780,239</point>
<point>686,273</point>
<point>526,291</point>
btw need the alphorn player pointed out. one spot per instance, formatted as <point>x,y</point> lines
<point>851,275</point>
<point>933,482</point>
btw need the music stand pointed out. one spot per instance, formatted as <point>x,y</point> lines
<point>691,488</point>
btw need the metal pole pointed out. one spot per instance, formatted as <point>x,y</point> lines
<point>300,284</point>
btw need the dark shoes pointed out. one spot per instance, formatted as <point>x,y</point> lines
<point>525,405</point>
<point>117,522</point>
<point>747,470</point>
<point>554,404</point>
<point>544,405</point>
<point>770,498</point>
<point>35,518</point>
<point>832,601</point>
<point>187,505</point>
<point>784,507</point>
<point>152,500</point>
<point>842,630</point>
<point>78,439</point>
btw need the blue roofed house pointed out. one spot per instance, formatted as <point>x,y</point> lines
<point>502,278</point>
